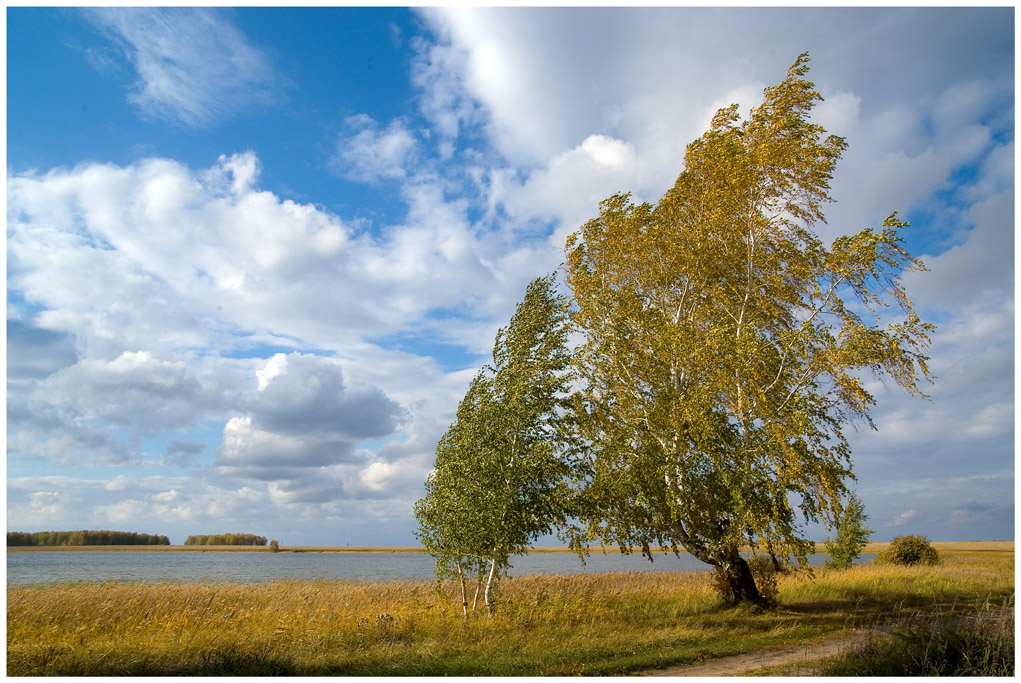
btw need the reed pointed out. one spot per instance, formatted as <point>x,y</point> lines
<point>610,623</point>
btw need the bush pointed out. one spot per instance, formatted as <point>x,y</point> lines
<point>274,547</point>
<point>908,550</point>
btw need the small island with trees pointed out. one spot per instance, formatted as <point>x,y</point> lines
<point>226,539</point>
<point>80,538</point>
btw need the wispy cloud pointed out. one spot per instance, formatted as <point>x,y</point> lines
<point>194,66</point>
<point>366,152</point>
<point>903,517</point>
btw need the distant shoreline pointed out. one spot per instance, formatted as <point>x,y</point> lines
<point>944,546</point>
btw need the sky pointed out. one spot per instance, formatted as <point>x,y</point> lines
<point>254,256</point>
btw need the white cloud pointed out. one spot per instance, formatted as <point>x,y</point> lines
<point>303,420</point>
<point>437,72</point>
<point>982,263</point>
<point>249,452</point>
<point>134,390</point>
<point>367,153</point>
<point>194,66</point>
<point>181,259</point>
<point>570,188</point>
<point>307,395</point>
<point>530,118</point>
<point>902,518</point>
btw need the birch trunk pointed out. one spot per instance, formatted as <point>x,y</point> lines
<point>490,605</point>
<point>464,594</point>
<point>742,583</point>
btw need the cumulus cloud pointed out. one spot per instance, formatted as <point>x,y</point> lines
<point>182,259</point>
<point>62,441</point>
<point>306,394</point>
<point>186,265</point>
<point>134,390</point>
<point>194,66</point>
<point>570,188</point>
<point>303,418</point>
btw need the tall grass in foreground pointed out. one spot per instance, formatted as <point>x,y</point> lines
<point>545,625</point>
<point>978,645</point>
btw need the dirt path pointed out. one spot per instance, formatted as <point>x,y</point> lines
<point>753,661</point>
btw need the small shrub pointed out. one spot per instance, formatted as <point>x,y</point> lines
<point>908,550</point>
<point>274,547</point>
<point>852,536</point>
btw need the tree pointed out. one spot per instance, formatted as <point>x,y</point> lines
<point>852,535</point>
<point>724,344</point>
<point>499,481</point>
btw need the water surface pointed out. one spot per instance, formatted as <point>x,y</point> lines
<point>45,567</point>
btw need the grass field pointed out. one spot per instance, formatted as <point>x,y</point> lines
<point>613,623</point>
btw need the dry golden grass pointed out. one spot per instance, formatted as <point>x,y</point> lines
<point>545,625</point>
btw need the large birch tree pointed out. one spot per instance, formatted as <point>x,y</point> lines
<point>726,347</point>
<point>499,481</point>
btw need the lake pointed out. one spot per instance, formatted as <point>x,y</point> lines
<point>46,567</point>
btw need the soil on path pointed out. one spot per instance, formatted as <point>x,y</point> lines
<point>761,659</point>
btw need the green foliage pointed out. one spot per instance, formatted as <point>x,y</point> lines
<point>69,538</point>
<point>226,539</point>
<point>908,550</point>
<point>725,346</point>
<point>852,536</point>
<point>499,481</point>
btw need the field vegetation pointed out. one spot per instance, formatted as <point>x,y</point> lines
<point>614,623</point>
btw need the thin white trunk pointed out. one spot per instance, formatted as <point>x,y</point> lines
<point>464,594</point>
<point>490,605</point>
<point>478,587</point>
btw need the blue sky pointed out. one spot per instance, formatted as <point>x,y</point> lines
<point>254,256</point>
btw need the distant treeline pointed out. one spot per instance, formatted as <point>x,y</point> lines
<point>15,538</point>
<point>226,539</point>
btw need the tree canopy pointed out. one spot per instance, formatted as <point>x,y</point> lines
<point>499,480</point>
<point>725,346</point>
